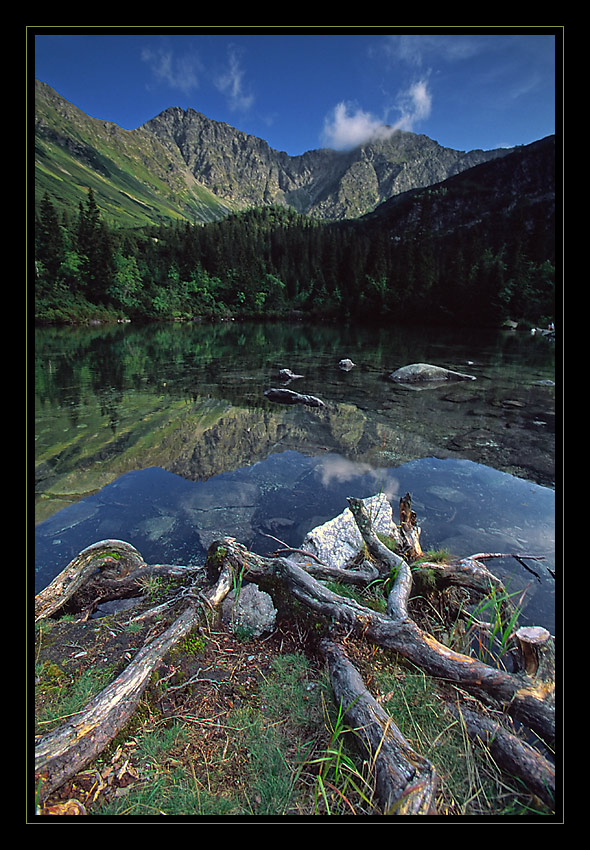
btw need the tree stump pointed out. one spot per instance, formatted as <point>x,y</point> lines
<point>538,658</point>
<point>411,548</point>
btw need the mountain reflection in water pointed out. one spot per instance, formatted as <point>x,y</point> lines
<point>162,436</point>
<point>461,506</point>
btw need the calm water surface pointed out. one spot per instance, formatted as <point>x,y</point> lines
<point>161,435</point>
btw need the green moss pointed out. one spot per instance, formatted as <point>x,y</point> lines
<point>426,579</point>
<point>52,672</point>
<point>192,644</point>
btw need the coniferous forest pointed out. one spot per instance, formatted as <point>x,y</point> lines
<point>272,262</point>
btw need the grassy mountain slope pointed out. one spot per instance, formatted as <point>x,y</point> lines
<point>136,180</point>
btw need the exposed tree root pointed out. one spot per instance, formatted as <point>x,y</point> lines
<point>405,780</point>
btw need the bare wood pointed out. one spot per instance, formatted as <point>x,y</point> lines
<point>61,753</point>
<point>113,559</point>
<point>467,572</point>
<point>410,532</point>
<point>515,692</point>
<point>471,574</point>
<point>397,600</point>
<point>116,567</point>
<point>538,658</point>
<point>405,780</point>
<point>511,753</point>
<point>362,576</point>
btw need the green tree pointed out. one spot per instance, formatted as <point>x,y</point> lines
<point>50,239</point>
<point>126,286</point>
<point>94,246</point>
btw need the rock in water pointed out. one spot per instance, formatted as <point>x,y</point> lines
<point>284,396</point>
<point>346,365</point>
<point>288,375</point>
<point>422,372</point>
<point>337,542</point>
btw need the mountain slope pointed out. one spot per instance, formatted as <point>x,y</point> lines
<point>181,164</point>
<point>133,176</point>
<point>522,182</point>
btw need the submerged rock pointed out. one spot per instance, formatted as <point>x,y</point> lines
<point>346,365</point>
<point>288,375</point>
<point>423,372</point>
<point>284,396</point>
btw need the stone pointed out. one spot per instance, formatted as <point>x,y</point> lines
<point>288,375</point>
<point>346,365</point>
<point>423,372</point>
<point>337,542</point>
<point>253,611</point>
<point>284,396</point>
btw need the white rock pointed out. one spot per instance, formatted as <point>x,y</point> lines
<point>337,542</point>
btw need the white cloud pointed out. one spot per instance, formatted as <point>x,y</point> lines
<point>179,73</point>
<point>415,50</point>
<point>345,128</point>
<point>415,105</point>
<point>231,83</point>
<point>348,126</point>
<point>338,470</point>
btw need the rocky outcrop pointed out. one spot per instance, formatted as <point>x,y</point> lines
<point>324,183</point>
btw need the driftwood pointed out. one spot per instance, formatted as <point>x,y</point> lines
<point>109,569</point>
<point>62,753</point>
<point>405,781</point>
<point>99,564</point>
<point>510,752</point>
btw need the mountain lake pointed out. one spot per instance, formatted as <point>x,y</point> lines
<point>161,435</point>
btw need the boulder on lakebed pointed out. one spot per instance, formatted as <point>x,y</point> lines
<point>424,372</point>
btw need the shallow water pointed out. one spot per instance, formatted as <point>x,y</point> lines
<point>162,436</point>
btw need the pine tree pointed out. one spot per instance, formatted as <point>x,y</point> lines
<point>94,247</point>
<point>50,240</point>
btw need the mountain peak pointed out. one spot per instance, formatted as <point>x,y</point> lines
<point>182,164</point>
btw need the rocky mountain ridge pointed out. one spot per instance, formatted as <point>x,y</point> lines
<point>181,164</point>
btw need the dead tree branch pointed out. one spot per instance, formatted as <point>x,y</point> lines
<point>510,753</point>
<point>60,754</point>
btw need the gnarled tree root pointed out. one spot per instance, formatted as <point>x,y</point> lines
<point>61,753</point>
<point>518,694</point>
<point>405,780</point>
<point>510,753</point>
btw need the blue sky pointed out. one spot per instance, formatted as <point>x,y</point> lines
<point>301,90</point>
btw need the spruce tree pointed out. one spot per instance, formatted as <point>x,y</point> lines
<point>50,240</point>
